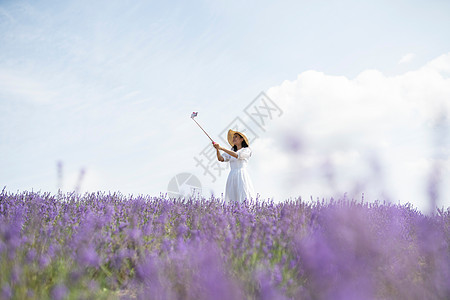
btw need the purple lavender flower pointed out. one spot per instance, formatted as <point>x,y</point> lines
<point>88,257</point>
<point>59,292</point>
<point>167,248</point>
<point>6,292</point>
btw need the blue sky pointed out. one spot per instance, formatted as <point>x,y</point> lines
<point>109,86</point>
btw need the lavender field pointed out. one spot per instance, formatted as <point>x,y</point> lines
<point>111,246</point>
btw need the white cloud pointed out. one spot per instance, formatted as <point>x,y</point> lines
<point>406,58</point>
<point>440,64</point>
<point>369,134</point>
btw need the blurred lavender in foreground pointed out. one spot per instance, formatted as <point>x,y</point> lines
<point>440,158</point>
<point>107,246</point>
<point>59,173</point>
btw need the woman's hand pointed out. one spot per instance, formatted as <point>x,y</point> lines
<point>217,146</point>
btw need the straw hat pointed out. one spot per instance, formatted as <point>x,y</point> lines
<point>231,134</point>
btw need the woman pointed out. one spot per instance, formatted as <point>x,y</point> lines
<point>239,185</point>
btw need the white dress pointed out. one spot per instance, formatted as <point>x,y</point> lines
<point>239,185</point>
